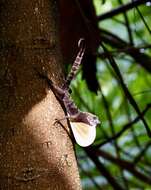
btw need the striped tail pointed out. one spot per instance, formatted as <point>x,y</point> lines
<point>77,62</point>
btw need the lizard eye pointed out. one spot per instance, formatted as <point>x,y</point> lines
<point>96,120</point>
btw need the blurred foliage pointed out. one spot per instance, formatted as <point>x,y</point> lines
<point>138,81</point>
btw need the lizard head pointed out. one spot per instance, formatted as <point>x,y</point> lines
<point>92,119</point>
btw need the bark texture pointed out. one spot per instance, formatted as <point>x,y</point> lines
<point>34,153</point>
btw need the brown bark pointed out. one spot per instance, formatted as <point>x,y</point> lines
<point>34,153</point>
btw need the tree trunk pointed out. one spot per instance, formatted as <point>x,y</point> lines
<point>34,153</point>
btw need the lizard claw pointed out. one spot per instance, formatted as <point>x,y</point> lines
<point>56,121</point>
